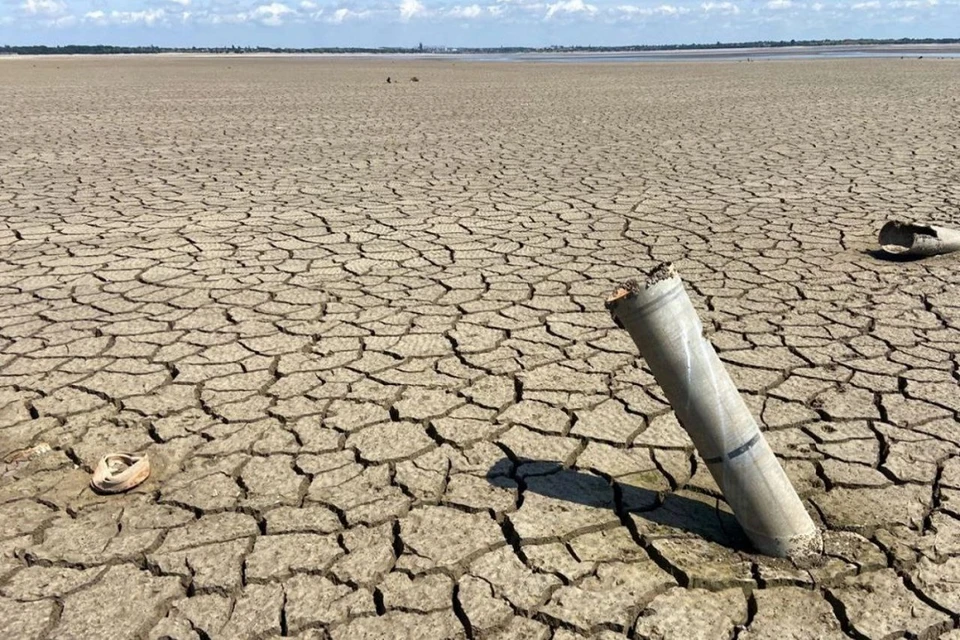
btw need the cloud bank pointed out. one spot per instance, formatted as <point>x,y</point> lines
<point>305,23</point>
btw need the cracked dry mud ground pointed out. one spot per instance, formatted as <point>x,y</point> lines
<point>359,328</point>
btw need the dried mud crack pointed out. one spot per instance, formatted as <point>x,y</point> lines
<point>360,331</point>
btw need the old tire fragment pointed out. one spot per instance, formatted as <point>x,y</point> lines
<point>910,239</point>
<point>665,327</point>
<point>119,472</point>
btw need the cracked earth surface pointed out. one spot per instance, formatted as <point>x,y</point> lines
<point>359,329</point>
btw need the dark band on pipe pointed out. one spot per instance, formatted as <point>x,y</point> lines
<point>739,451</point>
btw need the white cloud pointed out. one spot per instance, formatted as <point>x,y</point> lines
<point>662,10</point>
<point>62,21</point>
<point>312,9</point>
<point>471,11</point>
<point>343,14</point>
<point>675,17</point>
<point>148,17</point>
<point>270,14</point>
<point>570,6</point>
<point>43,7</point>
<point>720,7</point>
<point>411,9</point>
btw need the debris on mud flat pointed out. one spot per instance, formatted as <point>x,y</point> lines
<point>911,239</point>
<point>119,472</point>
<point>23,455</point>
<point>665,327</point>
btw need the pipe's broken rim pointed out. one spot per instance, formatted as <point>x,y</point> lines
<point>624,291</point>
<point>899,237</point>
<point>630,288</point>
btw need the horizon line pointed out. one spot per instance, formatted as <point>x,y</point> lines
<point>71,49</point>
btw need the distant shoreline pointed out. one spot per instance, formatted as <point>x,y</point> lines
<point>733,54</point>
<point>862,47</point>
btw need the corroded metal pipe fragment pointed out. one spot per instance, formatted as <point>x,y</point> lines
<point>664,325</point>
<point>909,239</point>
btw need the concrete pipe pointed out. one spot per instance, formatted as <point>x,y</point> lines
<point>665,327</point>
<point>907,239</point>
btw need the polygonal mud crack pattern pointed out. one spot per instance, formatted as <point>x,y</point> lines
<point>359,329</point>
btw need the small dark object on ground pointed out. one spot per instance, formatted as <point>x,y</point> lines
<point>414,79</point>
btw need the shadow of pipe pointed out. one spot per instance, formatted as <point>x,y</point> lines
<point>880,254</point>
<point>654,513</point>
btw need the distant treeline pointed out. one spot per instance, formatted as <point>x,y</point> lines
<point>109,49</point>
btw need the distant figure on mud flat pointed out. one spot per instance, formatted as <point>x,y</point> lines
<point>388,79</point>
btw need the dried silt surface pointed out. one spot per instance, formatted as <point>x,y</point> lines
<point>359,331</point>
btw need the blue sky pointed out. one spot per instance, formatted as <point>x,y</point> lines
<point>369,23</point>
